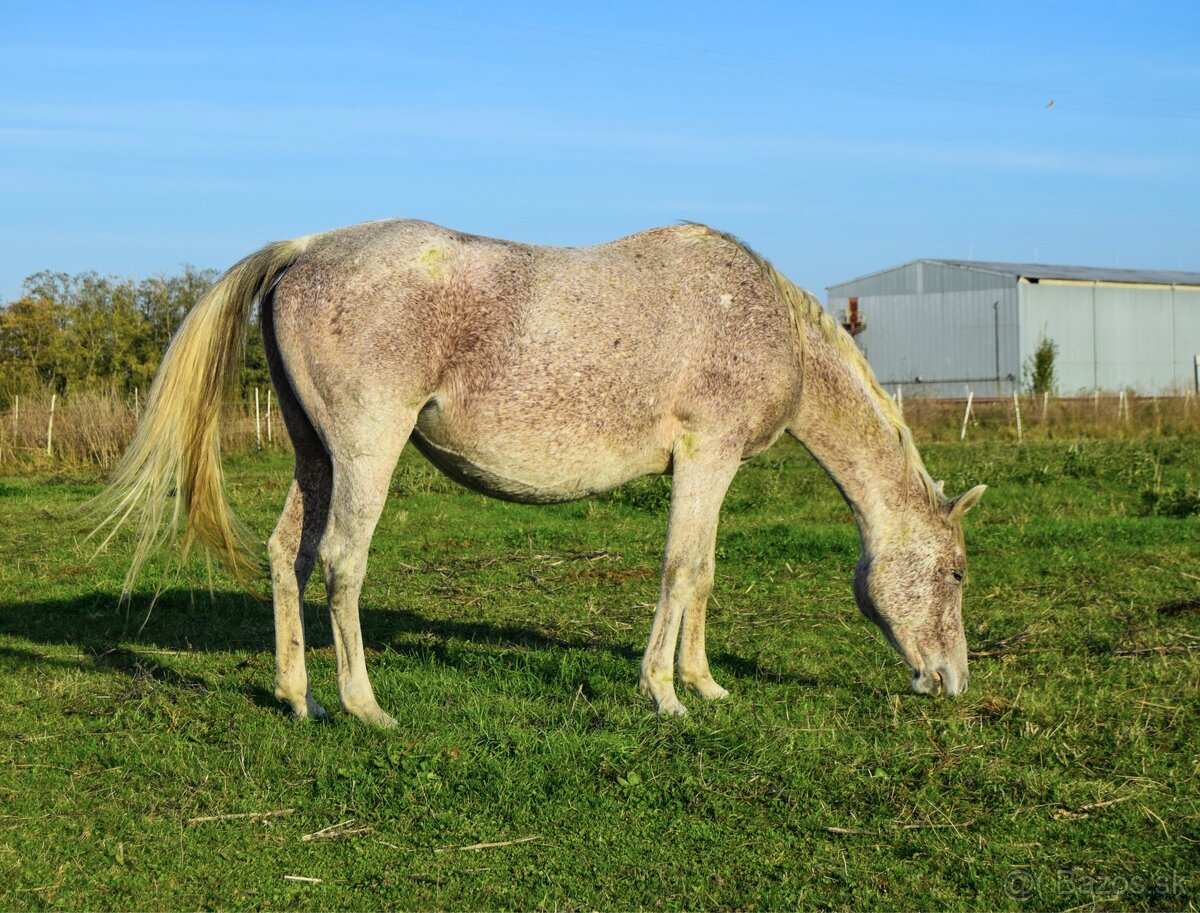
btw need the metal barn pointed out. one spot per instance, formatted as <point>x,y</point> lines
<point>939,327</point>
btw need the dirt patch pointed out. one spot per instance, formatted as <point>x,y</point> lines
<point>617,575</point>
<point>1178,607</point>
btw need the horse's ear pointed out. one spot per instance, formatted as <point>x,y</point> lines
<point>965,502</point>
<point>940,487</point>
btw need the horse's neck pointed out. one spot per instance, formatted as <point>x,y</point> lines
<point>842,425</point>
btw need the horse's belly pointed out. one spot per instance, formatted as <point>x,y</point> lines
<point>535,471</point>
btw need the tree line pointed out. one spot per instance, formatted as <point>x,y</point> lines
<point>72,333</point>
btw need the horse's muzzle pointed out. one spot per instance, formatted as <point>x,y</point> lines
<point>943,680</point>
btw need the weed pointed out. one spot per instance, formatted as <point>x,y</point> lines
<point>1177,501</point>
<point>1079,462</point>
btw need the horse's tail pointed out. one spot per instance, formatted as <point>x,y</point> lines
<point>176,448</point>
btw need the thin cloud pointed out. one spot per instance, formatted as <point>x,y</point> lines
<point>154,129</point>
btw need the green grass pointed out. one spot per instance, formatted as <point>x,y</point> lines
<point>505,639</point>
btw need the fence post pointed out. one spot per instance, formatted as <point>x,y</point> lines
<point>900,399</point>
<point>962,435</point>
<point>50,426</point>
<point>1045,403</point>
<point>257,421</point>
<point>137,406</point>
<point>16,416</point>
<point>1017,407</point>
<point>269,439</point>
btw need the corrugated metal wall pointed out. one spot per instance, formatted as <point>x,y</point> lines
<point>903,280</point>
<point>938,330</point>
<point>1115,337</point>
<point>1186,313</point>
<point>1062,313</point>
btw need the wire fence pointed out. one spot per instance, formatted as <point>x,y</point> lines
<point>1019,418</point>
<point>43,430</point>
<point>93,428</point>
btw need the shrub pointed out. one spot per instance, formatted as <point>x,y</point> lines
<point>1039,367</point>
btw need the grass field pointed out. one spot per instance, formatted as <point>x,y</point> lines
<point>505,639</point>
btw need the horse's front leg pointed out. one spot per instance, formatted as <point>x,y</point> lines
<point>693,655</point>
<point>700,480</point>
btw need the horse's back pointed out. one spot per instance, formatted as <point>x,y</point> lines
<point>542,373</point>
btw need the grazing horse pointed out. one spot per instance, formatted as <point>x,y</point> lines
<point>537,374</point>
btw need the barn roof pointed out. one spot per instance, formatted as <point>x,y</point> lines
<point>1078,273</point>
<point>1035,272</point>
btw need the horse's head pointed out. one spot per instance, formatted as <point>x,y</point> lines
<point>909,582</point>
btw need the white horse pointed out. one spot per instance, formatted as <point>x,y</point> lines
<point>538,374</point>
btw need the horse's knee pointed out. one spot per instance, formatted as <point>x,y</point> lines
<point>691,576</point>
<point>679,574</point>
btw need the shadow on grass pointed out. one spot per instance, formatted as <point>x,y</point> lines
<point>185,621</point>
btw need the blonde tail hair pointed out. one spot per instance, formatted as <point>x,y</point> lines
<point>176,448</point>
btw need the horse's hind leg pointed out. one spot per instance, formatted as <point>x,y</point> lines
<point>293,552</point>
<point>697,490</point>
<point>293,545</point>
<point>361,473</point>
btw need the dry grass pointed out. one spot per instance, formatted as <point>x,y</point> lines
<point>94,428</point>
<point>1054,418</point>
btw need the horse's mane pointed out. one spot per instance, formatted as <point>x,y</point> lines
<point>803,305</point>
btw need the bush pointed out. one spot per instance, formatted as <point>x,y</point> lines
<point>1039,367</point>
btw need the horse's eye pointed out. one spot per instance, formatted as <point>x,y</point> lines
<point>957,575</point>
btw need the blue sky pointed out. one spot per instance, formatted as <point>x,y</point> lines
<point>837,138</point>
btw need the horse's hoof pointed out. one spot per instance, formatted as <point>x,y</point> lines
<point>671,706</point>
<point>314,710</point>
<point>305,709</point>
<point>373,716</point>
<point>710,690</point>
